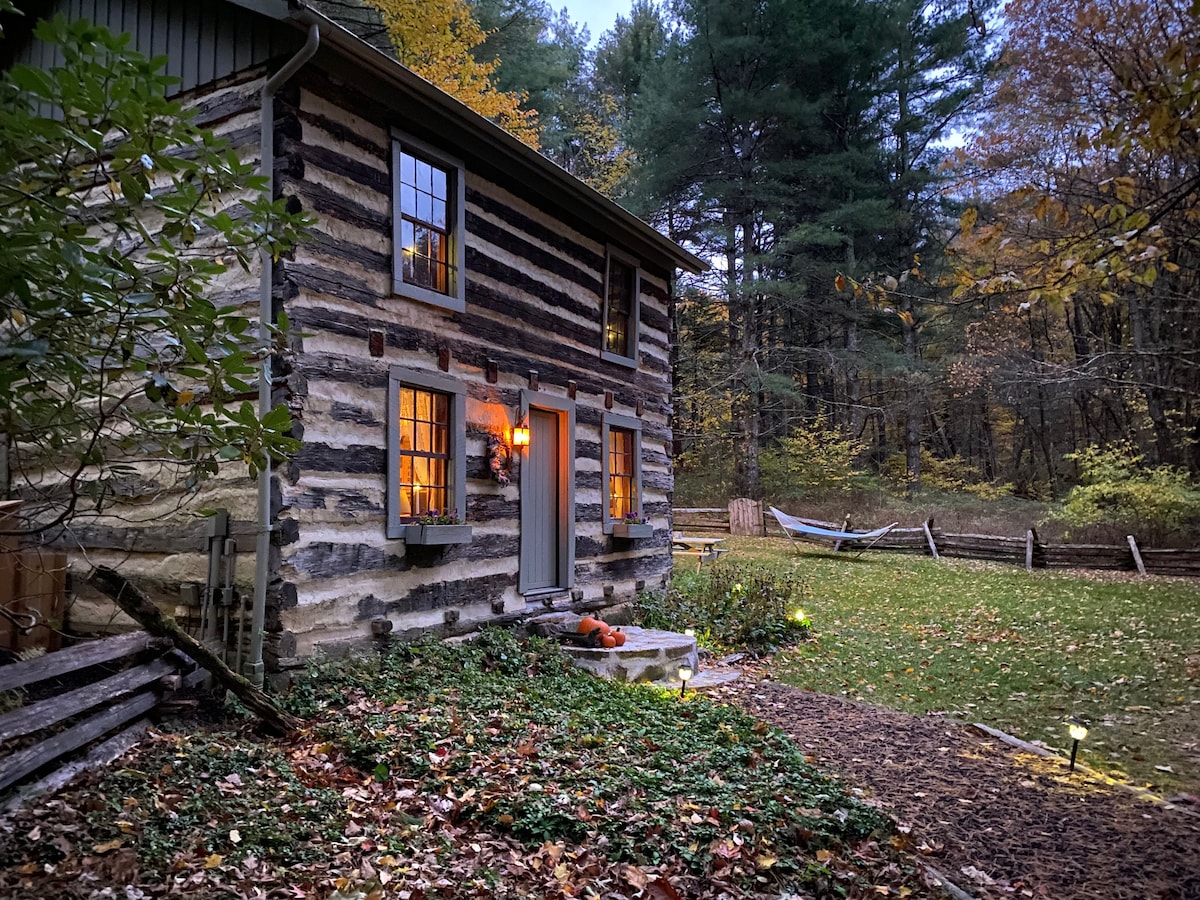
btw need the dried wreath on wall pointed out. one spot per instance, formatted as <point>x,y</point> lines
<point>499,460</point>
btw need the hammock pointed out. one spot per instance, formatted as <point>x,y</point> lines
<point>793,526</point>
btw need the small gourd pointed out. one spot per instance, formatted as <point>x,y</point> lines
<point>619,637</point>
<point>607,641</point>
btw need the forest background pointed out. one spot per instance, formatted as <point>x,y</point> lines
<point>953,244</point>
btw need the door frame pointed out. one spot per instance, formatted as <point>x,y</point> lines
<point>564,410</point>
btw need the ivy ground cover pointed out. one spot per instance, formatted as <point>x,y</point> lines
<point>489,770</point>
<point>1015,650</point>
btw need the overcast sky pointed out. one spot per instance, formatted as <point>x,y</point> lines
<point>597,15</point>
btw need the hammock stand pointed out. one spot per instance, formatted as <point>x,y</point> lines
<point>793,528</point>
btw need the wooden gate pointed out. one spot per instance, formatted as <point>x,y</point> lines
<point>32,589</point>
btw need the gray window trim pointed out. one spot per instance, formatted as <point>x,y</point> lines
<point>635,313</point>
<point>397,376</point>
<point>456,298</point>
<point>566,535</point>
<point>607,422</point>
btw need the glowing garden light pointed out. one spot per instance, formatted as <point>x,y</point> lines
<point>1078,731</point>
<point>685,675</point>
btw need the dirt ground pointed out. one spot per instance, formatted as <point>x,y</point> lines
<point>994,820</point>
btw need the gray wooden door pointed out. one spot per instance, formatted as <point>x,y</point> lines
<point>541,486</point>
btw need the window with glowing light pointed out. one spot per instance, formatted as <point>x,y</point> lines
<point>622,483</point>
<point>426,467</point>
<point>424,422</point>
<point>622,283</point>
<point>427,210</point>
<point>622,475</point>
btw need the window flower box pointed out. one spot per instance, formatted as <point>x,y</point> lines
<point>632,530</point>
<point>437,534</point>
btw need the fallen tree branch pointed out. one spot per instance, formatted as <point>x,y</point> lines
<point>143,610</point>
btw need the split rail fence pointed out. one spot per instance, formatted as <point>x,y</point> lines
<point>95,699</point>
<point>749,517</point>
<point>66,710</point>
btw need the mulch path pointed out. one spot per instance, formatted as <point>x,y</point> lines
<point>996,821</point>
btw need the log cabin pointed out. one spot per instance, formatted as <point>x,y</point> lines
<point>474,332</point>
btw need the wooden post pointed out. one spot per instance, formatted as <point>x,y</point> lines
<point>928,526</point>
<point>1029,550</point>
<point>1137,554</point>
<point>10,632</point>
<point>837,545</point>
<point>745,517</point>
<point>142,609</point>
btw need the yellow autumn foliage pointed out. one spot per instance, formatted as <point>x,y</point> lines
<point>435,40</point>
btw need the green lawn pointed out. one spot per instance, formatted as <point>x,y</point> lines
<point>1017,651</point>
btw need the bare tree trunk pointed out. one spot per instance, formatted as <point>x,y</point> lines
<point>1145,364</point>
<point>915,405</point>
<point>743,363</point>
<point>143,610</point>
<point>853,376</point>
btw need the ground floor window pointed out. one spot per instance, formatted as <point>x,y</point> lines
<point>426,465</point>
<point>622,483</point>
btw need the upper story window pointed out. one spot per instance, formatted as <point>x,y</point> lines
<point>621,437</point>
<point>426,462</point>
<point>622,284</point>
<point>428,198</point>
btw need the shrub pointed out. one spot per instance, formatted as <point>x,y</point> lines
<point>733,608</point>
<point>814,461</point>
<point>1117,489</point>
<point>954,475</point>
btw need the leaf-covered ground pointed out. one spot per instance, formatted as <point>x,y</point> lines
<point>483,771</point>
<point>1001,822</point>
<point>1018,651</point>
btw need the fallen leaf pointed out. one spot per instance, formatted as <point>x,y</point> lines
<point>661,890</point>
<point>211,862</point>
<point>634,877</point>
<point>977,876</point>
<point>108,846</point>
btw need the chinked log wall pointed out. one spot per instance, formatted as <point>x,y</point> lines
<point>155,537</point>
<point>994,548</point>
<point>533,302</point>
<point>96,697</point>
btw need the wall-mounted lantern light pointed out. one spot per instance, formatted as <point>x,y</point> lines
<point>520,433</point>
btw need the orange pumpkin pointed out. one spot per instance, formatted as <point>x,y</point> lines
<point>587,625</point>
<point>607,641</point>
<point>619,637</point>
<point>604,627</point>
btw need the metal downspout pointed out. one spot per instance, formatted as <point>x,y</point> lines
<point>254,669</point>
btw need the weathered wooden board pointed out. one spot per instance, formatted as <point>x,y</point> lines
<point>81,656</point>
<point>44,713</point>
<point>29,760</point>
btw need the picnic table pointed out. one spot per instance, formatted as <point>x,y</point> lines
<point>702,549</point>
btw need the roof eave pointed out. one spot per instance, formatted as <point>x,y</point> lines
<point>550,177</point>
